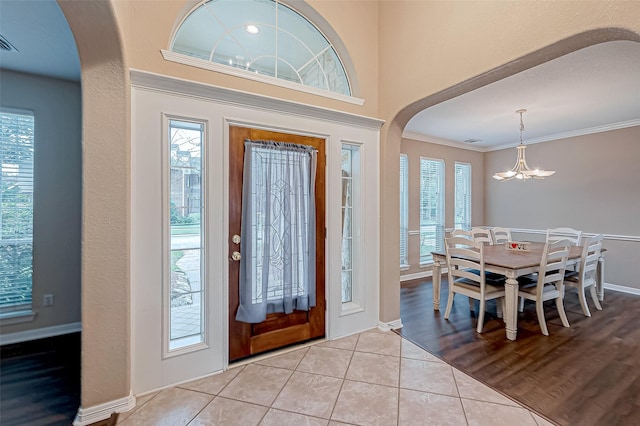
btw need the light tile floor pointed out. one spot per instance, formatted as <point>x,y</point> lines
<point>373,378</point>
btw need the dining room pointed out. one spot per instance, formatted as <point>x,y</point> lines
<point>596,358</point>
<point>450,164</point>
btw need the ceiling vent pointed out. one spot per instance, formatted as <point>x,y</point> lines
<point>6,46</point>
<point>472,140</point>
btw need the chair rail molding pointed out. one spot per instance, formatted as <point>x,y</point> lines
<point>163,83</point>
<point>612,237</point>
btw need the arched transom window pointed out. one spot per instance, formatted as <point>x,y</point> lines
<point>261,37</point>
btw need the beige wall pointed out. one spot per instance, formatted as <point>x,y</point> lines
<point>419,53</point>
<point>105,219</point>
<point>416,149</point>
<point>57,187</point>
<point>595,188</point>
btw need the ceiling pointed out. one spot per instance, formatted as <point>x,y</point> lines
<point>594,89</point>
<point>41,35</point>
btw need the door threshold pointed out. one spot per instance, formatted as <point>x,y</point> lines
<point>276,352</point>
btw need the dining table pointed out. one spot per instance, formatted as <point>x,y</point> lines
<point>511,264</point>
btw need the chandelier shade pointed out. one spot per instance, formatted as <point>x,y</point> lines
<point>521,169</point>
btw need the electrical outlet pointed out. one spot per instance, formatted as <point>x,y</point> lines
<point>47,300</point>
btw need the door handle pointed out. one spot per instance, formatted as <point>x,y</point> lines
<point>235,256</point>
<point>235,239</point>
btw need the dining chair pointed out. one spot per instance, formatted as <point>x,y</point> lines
<point>482,235</point>
<point>586,275</point>
<point>465,265</point>
<point>550,281</point>
<point>461,233</point>
<point>501,235</point>
<point>556,234</point>
<point>573,235</point>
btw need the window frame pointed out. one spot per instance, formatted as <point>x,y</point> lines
<point>357,302</point>
<point>469,195</point>
<point>306,13</point>
<point>23,312</point>
<point>440,208</point>
<point>404,211</point>
<point>167,350</point>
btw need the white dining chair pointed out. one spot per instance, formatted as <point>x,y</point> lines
<point>586,275</point>
<point>465,264</point>
<point>501,235</point>
<point>549,285</point>
<point>556,234</point>
<point>482,235</point>
<point>461,233</point>
<point>573,235</point>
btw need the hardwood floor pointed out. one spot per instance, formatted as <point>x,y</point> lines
<point>40,381</point>
<point>588,374</point>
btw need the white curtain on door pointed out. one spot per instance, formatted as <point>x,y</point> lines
<point>278,264</point>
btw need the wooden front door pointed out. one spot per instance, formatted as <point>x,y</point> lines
<point>278,330</point>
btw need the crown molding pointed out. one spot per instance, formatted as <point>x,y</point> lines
<point>557,136</point>
<point>439,141</point>
<point>164,83</point>
<point>573,133</point>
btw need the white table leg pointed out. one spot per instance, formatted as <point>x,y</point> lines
<point>437,270</point>
<point>511,307</point>
<point>600,279</point>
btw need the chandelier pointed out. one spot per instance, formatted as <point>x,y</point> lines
<point>521,169</point>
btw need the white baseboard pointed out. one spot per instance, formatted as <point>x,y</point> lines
<point>622,288</point>
<point>416,275</point>
<point>86,416</point>
<point>391,325</point>
<point>40,333</point>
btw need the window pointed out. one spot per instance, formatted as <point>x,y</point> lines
<point>404,210</point>
<point>463,196</point>
<point>16,210</point>
<point>185,290</point>
<point>259,38</point>
<point>431,207</point>
<point>350,173</point>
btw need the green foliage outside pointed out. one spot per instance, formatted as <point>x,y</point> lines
<point>175,256</point>
<point>16,256</point>
<point>16,208</point>
<point>178,219</point>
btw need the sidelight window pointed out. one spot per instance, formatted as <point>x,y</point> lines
<point>186,290</point>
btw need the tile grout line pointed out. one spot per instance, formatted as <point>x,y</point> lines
<point>399,378</point>
<point>464,412</point>
<point>344,378</point>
